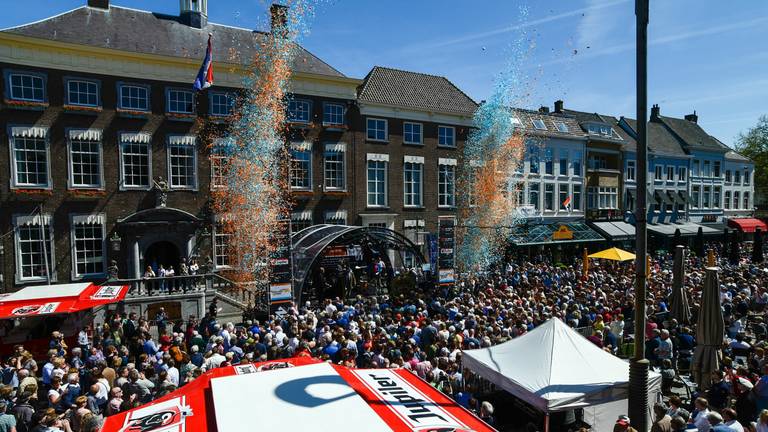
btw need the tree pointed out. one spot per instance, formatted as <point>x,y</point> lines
<point>754,145</point>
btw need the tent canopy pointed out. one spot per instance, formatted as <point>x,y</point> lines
<point>553,368</point>
<point>58,299</point>
<point>747,225</point>
<point>614,254</point>
<point>300,394</point>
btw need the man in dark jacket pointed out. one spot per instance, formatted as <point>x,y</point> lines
<point>23,411</point>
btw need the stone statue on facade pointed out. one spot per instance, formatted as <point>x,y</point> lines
<point>161,192</point>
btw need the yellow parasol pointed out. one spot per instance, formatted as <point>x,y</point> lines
<point>614,254</point>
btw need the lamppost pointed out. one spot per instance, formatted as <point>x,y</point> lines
<point>638,367</point>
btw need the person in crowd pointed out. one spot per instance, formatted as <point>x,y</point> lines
<point>699,417</point>
<point>662,422</point>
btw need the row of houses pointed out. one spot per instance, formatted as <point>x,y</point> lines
<point>109,149</point>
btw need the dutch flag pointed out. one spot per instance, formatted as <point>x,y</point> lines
<point>205,75</point>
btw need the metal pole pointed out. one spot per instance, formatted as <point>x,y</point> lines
<point>45,247</point>
<point>638,368</point>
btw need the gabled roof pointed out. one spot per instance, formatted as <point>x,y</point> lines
<point>585,118</point>
<point>733,156</point>
<point>153,33</point>
<point>692,135</point>
<point>551,121</point>
<point>660,140</point>
<point>414,90</point>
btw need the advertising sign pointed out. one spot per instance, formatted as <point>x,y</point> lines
<point>445,253</point>
<point>280,275</point>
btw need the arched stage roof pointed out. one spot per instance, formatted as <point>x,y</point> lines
<point>308,245</point>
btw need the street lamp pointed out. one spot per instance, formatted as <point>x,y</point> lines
<point>638,367</point>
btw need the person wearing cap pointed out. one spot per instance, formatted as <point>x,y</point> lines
<point>623,425</point>
<point>746,410</point>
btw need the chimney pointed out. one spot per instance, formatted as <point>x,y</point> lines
<point>278,18</point>
<point>655,112</point>
<point>544,109</point>
<point>692,117</point>
<point>194,13</point>
<point>559,106</point>
<point>101,4</point>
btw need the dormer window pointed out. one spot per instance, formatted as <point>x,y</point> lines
<point>561,127</point>
<point>515,121</point>
<point>539,124</point>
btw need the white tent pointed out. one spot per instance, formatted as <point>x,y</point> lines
<point>554,368</point>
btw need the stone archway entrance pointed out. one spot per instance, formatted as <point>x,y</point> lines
<point>162,253</point>
<point>158,236</point>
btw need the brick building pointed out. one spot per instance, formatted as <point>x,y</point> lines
<point>97,122</point>
<point>93,119</point>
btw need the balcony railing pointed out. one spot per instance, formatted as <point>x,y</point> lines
<point>247,294</point>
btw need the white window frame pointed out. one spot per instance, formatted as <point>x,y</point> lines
<point>682,174</point>
<point>146,88</point>
<point>547,207</point>
<point>549,162</point>
<point>326,105</point>
<point>219,233</point>
<point>658,172</point>
<point>305,148</point>
<point>90,136</point>
<point>142,140</point>
<point>736,200</point>
<point>727,200</point>
<point>745,197</point>
<point>561,127</point>
<point>670,173</point>
<point>377,159</point>
<point>746,178</point>
<point>446,190</point>
<point>35,133</point>
<point>71,80</point>
<point>534,188</point>
<point>560,206</point>
<point>376,129</point>
<point>442,137</point>
<point>175,90</point>
<point>696,196</point>
<point>696,168</point>
<point>410,195</point>
<point>296,103</point>
<point>576,191</point>
<point>335,148</point>
<point>737,177</point>
<point>706,168</point>
<point>45,220</point>
<point>9,74</point>
<point>706,196</point>
<point>560,153</point>
<point>603,198</point>
<point>230,104</point>
<point>538,124</point>
<point>93,220</point>
<point>717,169</point>
<point>219,164</point>
<point>631,170</point>
<point>420,126</point>
<point>717,196</point>
<point>170,144</point>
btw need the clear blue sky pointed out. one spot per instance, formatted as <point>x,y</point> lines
<point>706,55</point>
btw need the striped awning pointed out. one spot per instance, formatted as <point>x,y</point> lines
<point>29,131</point>
<point>185,140</point>
<point>33,220</point>
<point>301,145</point>
<point>302,216</point>
<point>85,134</point>
<point>446,161</point>
<point>336,147</point>
<point>92,219</point>
<point>136,138</point>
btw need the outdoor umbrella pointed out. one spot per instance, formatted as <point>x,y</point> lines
<point>678,302</point>
<point>698,243</point>
<point>733,257</point>
<point>676,240</point>
<point>614,254</point>
<point>709,331</point>
<point>757,247</point>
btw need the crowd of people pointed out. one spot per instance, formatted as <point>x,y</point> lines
<point>130,360</point>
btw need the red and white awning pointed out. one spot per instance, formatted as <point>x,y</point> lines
<point>747,225</point>
<point>58,299</point>
<point>300,394</point>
